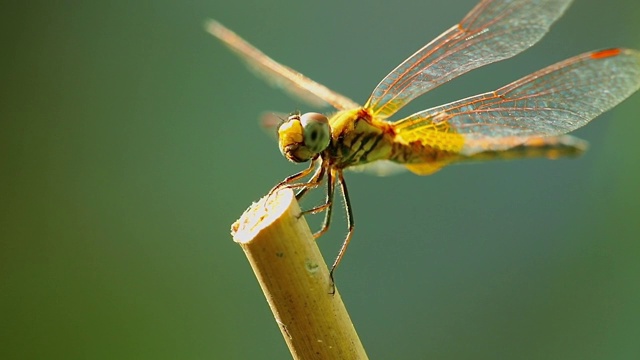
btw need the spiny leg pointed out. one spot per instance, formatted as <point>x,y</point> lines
<point>292,178</point>
<point>328,206</point>
<point>315,179</point>
<point>347,206</point>
<point>313,182</point>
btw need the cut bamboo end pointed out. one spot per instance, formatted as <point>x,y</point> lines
<point>295,280</point>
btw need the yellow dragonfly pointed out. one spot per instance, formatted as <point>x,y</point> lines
<point>527,118</point>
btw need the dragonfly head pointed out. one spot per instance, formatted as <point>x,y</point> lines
<point>302,137</point>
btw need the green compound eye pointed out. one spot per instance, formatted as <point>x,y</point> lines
<point>316,131</point>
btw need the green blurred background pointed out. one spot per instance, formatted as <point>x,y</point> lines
<point>129,144</point>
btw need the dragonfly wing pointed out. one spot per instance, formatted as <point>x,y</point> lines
<point>278,75</point>
<point>494,30</point>
<point>549,102</point>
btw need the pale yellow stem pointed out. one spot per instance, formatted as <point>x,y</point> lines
<point>295,280</point>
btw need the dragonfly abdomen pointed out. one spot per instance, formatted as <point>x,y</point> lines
<point>420,158</point>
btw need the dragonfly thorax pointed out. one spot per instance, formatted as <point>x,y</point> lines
<point>302,137</point>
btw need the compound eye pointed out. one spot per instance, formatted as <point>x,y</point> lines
<point>316,130</point>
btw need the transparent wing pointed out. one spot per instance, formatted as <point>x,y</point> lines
<point>494,30</point>
<point>549,102</point>
<point>278,75</point>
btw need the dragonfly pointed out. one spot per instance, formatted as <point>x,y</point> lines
<point>527,118</point>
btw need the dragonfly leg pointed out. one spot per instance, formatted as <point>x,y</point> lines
<point>328,206</point>
<point>313,182</point>
<point>291,178</point>
<point>347,206</point>
<point>315,179</point>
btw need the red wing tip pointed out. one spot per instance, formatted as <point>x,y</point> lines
<point>606,53</point>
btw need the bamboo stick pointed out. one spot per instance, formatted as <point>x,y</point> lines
<point>295,280</point>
